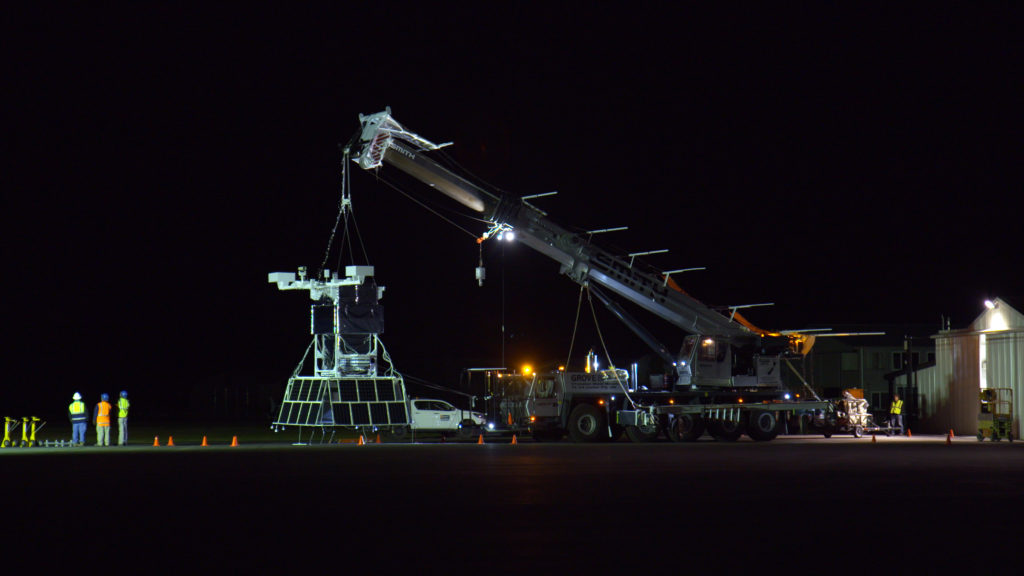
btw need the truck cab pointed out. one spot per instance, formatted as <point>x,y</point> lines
<point>575,403</point>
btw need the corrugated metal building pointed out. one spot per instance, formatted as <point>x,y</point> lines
<point>987,354</point>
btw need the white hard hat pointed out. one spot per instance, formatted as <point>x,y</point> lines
<point>77,396</point>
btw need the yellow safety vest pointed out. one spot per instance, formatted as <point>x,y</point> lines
<point>897,407</point>
<point>122,408</point>
<point>77,411</point>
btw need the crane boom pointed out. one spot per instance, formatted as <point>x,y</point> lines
<point>384,141</point>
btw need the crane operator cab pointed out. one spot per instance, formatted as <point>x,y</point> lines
<point>708,361</point>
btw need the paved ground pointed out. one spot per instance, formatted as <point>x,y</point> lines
<point>801,504</point>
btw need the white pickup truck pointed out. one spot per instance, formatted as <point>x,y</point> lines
<point>432,415</point>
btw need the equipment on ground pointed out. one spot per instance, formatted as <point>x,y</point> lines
<point>995,414</point>
<point>851,415</point>
<point>29,426</point>
<point>727,376</point>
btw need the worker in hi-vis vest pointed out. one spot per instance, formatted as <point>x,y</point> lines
<point>79,419</point>
<point>122,418</point>
<point>101,420</point>
<point>896,413</point>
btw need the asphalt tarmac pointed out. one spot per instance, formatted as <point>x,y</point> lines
<point>795,505</point>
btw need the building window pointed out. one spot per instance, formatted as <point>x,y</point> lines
<point>898,359</point>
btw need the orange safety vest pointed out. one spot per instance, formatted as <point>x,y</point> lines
<point>103,414</point>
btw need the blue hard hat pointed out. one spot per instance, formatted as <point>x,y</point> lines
<point>104,397</point>
<point>124,393</point>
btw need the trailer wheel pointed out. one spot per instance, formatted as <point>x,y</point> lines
<point>763,426</point>
<point>858,431</point>
<point>725,430</point>
<point>643,433</point>
<point>685,428</point>
<point>586,424</point>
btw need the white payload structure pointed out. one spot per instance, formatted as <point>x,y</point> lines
<point>353,384</point>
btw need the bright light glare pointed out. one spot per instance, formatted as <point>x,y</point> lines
<point>510,236</point>
<point>990,304</point>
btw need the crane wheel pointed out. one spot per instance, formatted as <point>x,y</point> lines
<point>763,426</point>
<point>586,424</point>
<point>643,433</point>
<point>725,430</point>
<point>685,428</point>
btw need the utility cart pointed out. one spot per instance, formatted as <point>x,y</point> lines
<point>995,414</point>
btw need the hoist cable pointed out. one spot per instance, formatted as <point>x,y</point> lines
<point>607,356</point>
<point>575,326</point>
<point>426,207</point>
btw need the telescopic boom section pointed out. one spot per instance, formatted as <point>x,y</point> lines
<point>385,141</point>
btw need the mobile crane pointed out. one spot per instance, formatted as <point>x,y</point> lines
<point>727,374</point>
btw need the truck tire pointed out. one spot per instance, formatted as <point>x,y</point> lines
<point>640,434</point>
<point>468,430</point>
<point>397,433</point>
<point>587,424</point>
<point>763,426</point>
<point>725,430</point>
<point>685,428</point>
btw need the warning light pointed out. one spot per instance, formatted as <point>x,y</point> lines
<point>671,400</point>
<point>600,401</point>
<point>527,369</point>
<point>533,418</point>
<point>741,400</point>
<point>561,368</point>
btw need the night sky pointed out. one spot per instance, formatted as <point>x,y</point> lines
<point>854,168</point>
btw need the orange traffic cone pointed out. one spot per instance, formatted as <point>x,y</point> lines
<point>204,441</point>
<point>873,441</point>
<point>481,440</point>
<point>156,440</point>
<point>234,440</point>
<point>361,441</point>
<point>378,438</point>
<point>170,440</point>
<point>908,433</point>
<point>514,439</point>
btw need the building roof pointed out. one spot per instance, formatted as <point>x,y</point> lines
<point>998,316</point>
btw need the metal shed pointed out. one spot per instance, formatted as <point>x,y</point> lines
<point>987,354</point>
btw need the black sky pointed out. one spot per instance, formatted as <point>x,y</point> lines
<point>852,167</point>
